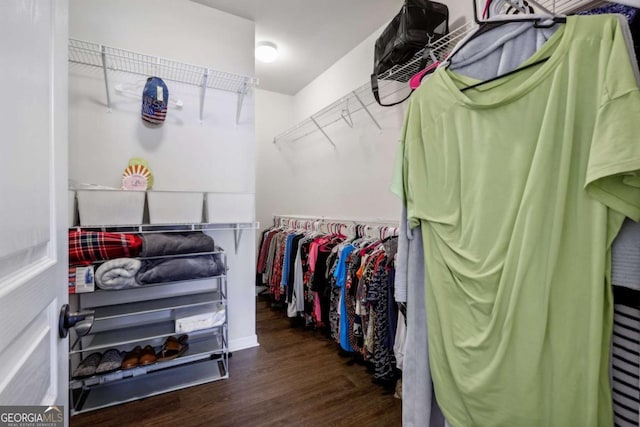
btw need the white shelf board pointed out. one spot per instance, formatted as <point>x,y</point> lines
<point>135,334</point>
<point>150,285</point>
<point>198,350</point>
<point>168,228</point>
<point>152,306</point>
<point>101,298</point>
<point>152,384</point>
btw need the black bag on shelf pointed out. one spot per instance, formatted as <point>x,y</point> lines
<point>417,23</point>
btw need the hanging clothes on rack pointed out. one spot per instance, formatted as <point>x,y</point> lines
<point>625,277</point>
<point>346,284</point>
<point>419,405</point>
<point>519,191</point>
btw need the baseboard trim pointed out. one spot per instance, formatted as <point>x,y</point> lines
<point>243,343</point>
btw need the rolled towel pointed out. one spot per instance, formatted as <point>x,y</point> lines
<point>119,273</point>
<point>159,244</point>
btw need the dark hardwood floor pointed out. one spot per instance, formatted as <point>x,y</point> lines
<point>295,378</point>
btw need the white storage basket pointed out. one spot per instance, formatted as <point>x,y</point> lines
<point>229,208</point>
<point>175,207</point>
<point>110,207</point>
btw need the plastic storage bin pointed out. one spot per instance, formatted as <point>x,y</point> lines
<point>110,207</point>
<point>230,207</point>
<point>175,207</point>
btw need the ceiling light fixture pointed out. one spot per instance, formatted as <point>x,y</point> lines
<point>266,52</point>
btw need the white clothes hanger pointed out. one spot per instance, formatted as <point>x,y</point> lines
<point>502,7</point>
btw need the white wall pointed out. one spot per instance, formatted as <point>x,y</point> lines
<point>185,153</point>
<point>309,176</point>
<point>348,73</point>
<point>175,29</point>
<point>273,173</point>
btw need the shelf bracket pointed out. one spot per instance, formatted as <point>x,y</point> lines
<point>205,80</point>
<point>237,234</point>
<point>241,93</point>
<point>375,122</point>
<point>346,115</point>
<point>322,130</point>
<point>103,54</point>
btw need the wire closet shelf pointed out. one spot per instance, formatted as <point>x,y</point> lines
<point>114,59</point>
<point>87,53</point>
<point>395,80</point>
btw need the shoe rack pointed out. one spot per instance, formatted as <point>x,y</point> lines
<point>145,316</point>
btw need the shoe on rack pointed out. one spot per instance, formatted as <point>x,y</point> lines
<point>132,358</point>
<point>147,356</point>
<point>87,366</point>
<point>110,362</point>
<point>173,348</point>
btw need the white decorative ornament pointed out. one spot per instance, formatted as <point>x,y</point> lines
<point>135,177</point>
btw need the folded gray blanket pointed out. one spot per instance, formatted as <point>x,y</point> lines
<point>183,268</point>
<point>158,244</point>
<point>119,273</point>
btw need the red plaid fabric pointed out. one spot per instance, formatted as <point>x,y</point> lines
<point>264,251</point>
<point>72,280</point>
<point>87,246</point>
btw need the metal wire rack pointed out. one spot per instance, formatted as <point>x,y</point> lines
<point>114,59</point>
<point>394,80</point>
<point>572,6</point>
<point>391,83</point>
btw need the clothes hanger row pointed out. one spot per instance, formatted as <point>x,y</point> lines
<point>350,229</point>
<point>482,26</point>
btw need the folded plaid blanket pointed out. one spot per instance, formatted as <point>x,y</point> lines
<point>87,246</point>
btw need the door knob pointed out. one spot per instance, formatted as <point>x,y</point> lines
<point>81,321</point>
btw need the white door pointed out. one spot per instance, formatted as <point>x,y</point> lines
<point>33,201</point>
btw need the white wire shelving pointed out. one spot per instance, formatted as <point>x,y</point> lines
<point>391,83</point>
<point>114,59</point>
<point>395,80</point>
<point>237,228</point>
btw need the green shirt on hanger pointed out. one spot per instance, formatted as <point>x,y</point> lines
<point>520,186</point>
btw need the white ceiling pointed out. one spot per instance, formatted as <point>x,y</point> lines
<point>311,35</point>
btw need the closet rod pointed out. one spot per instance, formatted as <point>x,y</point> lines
<point>330,219</point>
<point>303,222</point>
